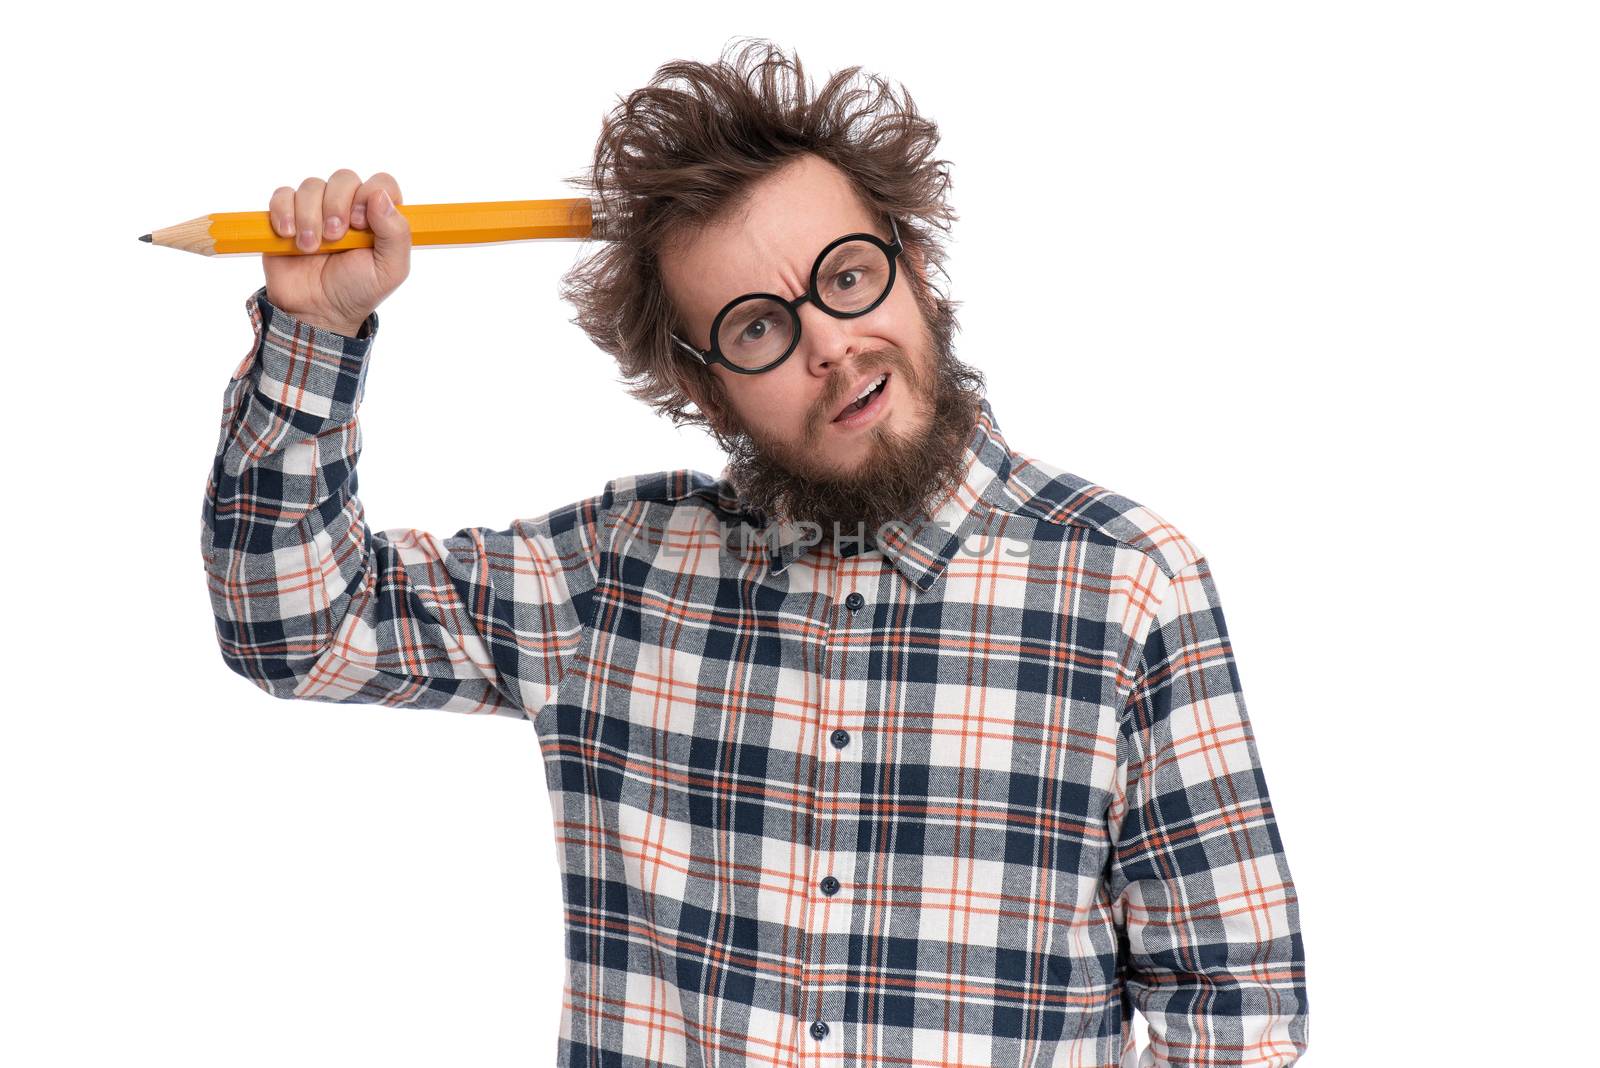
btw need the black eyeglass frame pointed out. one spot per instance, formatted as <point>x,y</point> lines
<point>892,249</point>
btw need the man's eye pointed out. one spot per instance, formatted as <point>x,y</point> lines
<point>850,278</point>
<point>746,335</point>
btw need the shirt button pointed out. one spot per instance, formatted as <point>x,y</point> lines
<point>839,738</point>
<point>819,1030</point>
<point>830,885</point>
<point>854,601</point>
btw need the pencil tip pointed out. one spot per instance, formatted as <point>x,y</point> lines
<point>146,237</point>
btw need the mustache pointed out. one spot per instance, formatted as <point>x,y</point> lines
<point>839,394</point>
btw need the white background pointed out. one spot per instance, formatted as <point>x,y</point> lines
<point>1317,283</point>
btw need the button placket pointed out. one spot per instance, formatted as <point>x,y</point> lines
<point>821,1000</point>
<point>833,847</point>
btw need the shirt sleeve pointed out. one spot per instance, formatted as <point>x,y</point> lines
<point>311,604</point>
<point>1212,953</point>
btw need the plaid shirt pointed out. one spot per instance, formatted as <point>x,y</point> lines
<point>965,797</point>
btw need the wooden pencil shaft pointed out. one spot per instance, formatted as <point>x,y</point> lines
<point>484,222</point>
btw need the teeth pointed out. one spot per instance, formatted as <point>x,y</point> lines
<point>872,386</point>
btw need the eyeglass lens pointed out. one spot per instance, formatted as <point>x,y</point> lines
<point>758,331</point>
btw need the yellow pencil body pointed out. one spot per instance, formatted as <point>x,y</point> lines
<point>235,232</point>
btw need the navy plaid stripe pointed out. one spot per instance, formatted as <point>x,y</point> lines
<point>972,815</point>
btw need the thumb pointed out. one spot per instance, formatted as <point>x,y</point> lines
<point>391,239</point>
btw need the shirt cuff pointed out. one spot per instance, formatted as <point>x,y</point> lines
<point>311,370</point>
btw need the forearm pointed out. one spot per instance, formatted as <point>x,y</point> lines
<point>1200,878</point>
<point>284,538</point>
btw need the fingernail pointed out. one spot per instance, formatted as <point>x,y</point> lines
<point>308,240</point>
<point>358,215</point>
<point>333,225</point>
<point>285,227</point>
<point>385,205</point>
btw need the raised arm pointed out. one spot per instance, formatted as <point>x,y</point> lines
<point>312,604</point>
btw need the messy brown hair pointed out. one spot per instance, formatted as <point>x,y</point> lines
<point>674,156</point>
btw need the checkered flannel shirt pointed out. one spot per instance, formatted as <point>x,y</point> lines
<point>966,795</point>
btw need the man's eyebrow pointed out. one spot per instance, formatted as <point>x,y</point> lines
<point>860,228</point>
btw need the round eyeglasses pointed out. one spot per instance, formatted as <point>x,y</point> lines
<point>758,331</point>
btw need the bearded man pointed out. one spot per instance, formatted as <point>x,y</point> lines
<point>890,744</point>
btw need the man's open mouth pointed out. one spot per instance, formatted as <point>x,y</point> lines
<point>865,398</point>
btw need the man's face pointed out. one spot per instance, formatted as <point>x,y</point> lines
<point>791,452</point>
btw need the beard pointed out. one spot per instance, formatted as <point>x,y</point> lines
<point>901,477</point>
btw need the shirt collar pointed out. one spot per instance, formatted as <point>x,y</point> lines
<point>922,546</point>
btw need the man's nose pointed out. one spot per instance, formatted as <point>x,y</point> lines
<point>827,341</point>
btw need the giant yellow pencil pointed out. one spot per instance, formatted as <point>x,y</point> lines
<point>250,232</point>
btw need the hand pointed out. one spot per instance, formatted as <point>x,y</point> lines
<point>337,290</point>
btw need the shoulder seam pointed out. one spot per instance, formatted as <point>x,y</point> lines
<point>658,485</point>
<point>1151,537</point>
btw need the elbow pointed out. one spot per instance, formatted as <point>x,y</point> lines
<point>273,676</point>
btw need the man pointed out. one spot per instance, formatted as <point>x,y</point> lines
<point>890,745</point>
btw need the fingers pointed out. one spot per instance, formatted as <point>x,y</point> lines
<point>363,198</point>
<point>391,232</point>
<point>308,214</point>
<point>336,198</point>
<point>321,211</point>
<point>281,209</point>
